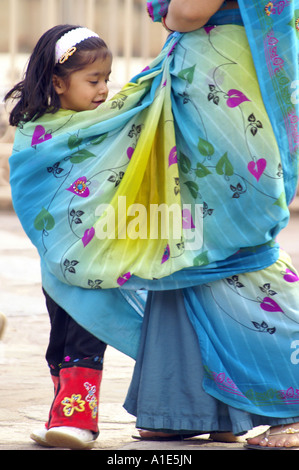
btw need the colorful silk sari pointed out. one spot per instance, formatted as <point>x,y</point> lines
<point>246,324</point>
<point>181,179</point>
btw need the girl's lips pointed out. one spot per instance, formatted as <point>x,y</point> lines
<point>97,103</point>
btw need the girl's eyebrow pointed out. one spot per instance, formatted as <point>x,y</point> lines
<point>96,74</point>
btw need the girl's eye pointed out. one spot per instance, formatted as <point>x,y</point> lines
<point>94,83</point>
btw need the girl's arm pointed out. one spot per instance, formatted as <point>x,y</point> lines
<point>188,15</point>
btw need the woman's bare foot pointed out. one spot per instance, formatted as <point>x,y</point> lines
<point>277,436</point>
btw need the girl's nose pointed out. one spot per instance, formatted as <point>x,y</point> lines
<point>103,88</point>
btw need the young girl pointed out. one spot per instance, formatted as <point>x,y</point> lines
<point>68,72</point>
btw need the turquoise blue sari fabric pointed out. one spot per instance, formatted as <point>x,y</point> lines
<point>272,31</point>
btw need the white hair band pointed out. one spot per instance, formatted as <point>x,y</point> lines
<point>66,45</point>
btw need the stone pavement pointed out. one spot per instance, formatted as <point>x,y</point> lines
<point>25,385</point>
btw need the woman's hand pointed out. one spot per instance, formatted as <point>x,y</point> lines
<point>188,15</point>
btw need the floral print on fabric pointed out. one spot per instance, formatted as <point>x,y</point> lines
<point>250,354</point>
<point>102,194</point>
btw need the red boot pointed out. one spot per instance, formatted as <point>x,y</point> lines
<point>73,419</point>
<point>55,380</point>
<point>77,399</point>
<point>39,435</point>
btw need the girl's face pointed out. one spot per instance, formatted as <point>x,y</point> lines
<point>87,88</point>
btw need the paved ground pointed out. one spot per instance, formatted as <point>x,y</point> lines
<point>26,390</point>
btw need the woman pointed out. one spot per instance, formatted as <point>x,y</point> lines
<point>191,132</point>
<point>234,330</point>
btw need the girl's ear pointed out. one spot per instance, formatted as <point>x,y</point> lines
<point>59,85</point>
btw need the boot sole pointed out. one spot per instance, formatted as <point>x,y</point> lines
<point>39,440</point>
<point>67,441</point>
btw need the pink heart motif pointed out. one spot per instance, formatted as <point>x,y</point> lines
<point>166,254</point>
<point>150,10</point>
<point>40,136</point>
<point>290,276</point>
<point>79,187</point>
<point>172,158</point>
<point>122,279</point>
<point>187,219</point>
<point>235,98</point>
<point>257,168</point>
<point>269,305</point>
<point>130,151</point>
<point>172,49</point>
<point>280,7</point>
<point>88,236</point>
<point>209,28</point>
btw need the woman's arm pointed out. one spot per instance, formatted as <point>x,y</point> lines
<point>188,15</point>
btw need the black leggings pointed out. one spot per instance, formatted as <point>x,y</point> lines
<point>70,344</point>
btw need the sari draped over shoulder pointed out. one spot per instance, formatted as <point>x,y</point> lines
<point>182,178</point>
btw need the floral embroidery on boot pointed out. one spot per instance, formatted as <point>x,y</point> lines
<point>91,398</point>
<point>73,404</point>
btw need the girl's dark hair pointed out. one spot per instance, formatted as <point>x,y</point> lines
<point>35,93</point>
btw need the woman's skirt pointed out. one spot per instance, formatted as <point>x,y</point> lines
<point>223,356</point>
